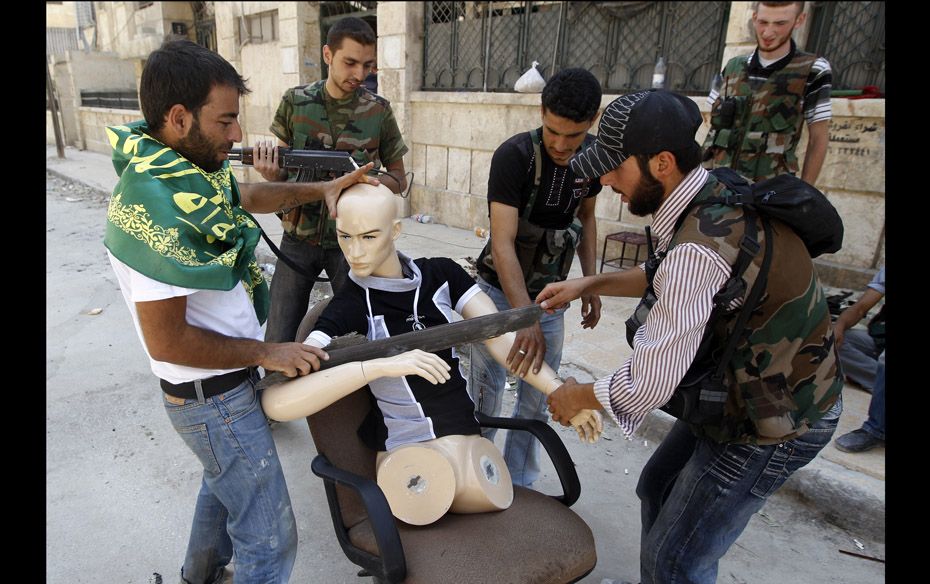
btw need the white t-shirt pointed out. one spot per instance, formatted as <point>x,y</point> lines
<point>228,313</point>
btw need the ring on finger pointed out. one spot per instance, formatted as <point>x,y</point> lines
<point>522,351</point>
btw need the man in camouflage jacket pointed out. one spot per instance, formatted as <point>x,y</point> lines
<point>782,390</point>
<point>760,106</point>
<point>337,113</point>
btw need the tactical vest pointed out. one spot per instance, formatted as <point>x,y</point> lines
<point>756,131</point>
<point>783,375</point>
<point>545,254</point>
<point>310,128</point>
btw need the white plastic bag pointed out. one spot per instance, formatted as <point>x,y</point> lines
<point>531,81</point>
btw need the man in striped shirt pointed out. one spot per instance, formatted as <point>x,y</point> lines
<point>701,487</point>
<point>763,99</point>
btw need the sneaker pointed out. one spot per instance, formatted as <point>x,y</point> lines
<point>857,441</point>
<point>612,581</point>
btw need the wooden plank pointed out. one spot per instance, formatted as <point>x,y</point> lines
<point>432,339</point>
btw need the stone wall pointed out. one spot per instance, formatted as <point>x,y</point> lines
<point>269,68</point>
<point>76,71</point>
<point>95,119</point>
<point>452,136</point>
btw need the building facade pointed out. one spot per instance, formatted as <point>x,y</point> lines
<point>448,69</point>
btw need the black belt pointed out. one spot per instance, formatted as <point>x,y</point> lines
<point>210,386</point>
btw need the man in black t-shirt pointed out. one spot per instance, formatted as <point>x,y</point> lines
<point>540,212</point>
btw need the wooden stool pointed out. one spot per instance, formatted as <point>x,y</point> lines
<point>625,238</point>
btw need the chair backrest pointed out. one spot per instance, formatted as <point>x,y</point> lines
<point>334,433</point>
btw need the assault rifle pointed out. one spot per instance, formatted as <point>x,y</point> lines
<point>314,163</point>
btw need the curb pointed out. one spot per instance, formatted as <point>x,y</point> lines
<point>851,500</point>
<point>67,177</point>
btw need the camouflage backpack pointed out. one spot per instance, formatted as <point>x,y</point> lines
<point>765,372</point>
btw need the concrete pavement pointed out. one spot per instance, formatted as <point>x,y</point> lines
<point>844,489</point>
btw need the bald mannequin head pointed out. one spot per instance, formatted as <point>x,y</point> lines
<point>367,225</point>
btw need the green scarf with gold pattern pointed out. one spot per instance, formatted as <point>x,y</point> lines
<point>175,223</point>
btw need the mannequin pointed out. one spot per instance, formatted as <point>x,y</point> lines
<point>431,456</point>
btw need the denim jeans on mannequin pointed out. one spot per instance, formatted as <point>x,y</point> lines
<point>698,495</point>
<point>243,506</point>
<point>486,386</point>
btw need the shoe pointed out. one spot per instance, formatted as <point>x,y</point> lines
<point>612,581</point>
<point>857,441</point>
<point>221,576</point>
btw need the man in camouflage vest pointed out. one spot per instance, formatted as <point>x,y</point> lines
<point>338,113</point>
<point>782,386</point>
<point>540,212</point>
<point>759,107</point>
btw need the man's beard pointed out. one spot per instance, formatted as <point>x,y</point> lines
<point>783,42</point>
<point>198,149</point>
<point>647,197</point>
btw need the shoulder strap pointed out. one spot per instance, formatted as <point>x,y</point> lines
<point>289,262</point>
<point>537,163</point>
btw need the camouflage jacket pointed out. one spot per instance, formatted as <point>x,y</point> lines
<point>755,130</point>
<point>370,134</point>
<point>784,375</point>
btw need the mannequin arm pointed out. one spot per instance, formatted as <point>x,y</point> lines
<point>309,394</point>
<point>588,423</point>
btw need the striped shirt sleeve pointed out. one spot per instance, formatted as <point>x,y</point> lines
<point>817,104</point>
<point>667,343</point>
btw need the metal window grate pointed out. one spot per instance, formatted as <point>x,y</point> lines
<point>128,100</point>
<point>471,46</point>
<point>341,9</point>
<point>59,40</point>
<point>851,36</point>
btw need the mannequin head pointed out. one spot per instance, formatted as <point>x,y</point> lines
<point>367,225</point>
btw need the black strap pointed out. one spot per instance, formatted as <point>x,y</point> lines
<point>537,163</point>
<point>288,261</point>
<point>738,331</point>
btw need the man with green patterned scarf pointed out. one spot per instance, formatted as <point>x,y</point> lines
<point>336,113</point>
<point>182,243</point>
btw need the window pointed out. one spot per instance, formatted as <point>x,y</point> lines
<point>851,35</point>
<point>486,46</point>
<point>258,28</point>
<point>179,28</point>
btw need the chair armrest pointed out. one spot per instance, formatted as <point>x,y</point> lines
<point>561,459</point>
<point>392,565</point>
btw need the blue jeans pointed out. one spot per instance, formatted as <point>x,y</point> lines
<point>875,424</point>
<point>859,356</point>
<point>290,291</point>
<point>486,381</point>
<point>698,495</point>
<point>243,505</point>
